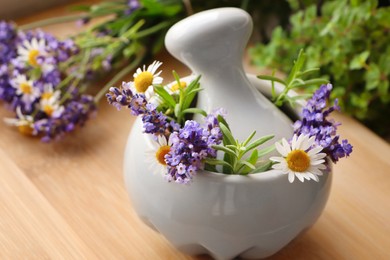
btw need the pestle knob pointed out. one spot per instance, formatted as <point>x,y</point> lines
<point>211,44</point>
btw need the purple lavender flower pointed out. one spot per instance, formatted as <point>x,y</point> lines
<point>77,111</point>
<point>315,123</point>
<point>8,42</point>
<point>154,122</point>
<point>132,6</point>
<point>190,146</point>
<point>8,38</point>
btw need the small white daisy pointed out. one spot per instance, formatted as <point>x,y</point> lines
<point>26,89</point>
<point>51,106</point>
<point>174,87</point>
<point>156,156</point>
<point>144,79</point>
<point>29,51</point>
<point>48,92</point>
<point>24,123</point>
<point>301,159</point>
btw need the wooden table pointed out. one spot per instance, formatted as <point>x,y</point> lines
<point>66,200</point>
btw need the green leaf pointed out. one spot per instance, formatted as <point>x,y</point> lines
<point>310,82</point>
<point>258,142</point>
<point>165,96</point>
<point>193,84</point>
<point>263,167</point>
<point>213,161</point>
<point>228,169</point>
<point>190,92</point>
<point>245,164</point>
<point>194,111</point>
<point>177,110</point>
<point>372,76</point>
<point>265,151</point>
<point>271,78</point>
<point>194,91</point>
<point>249,138</point>
<point>224,149</point>
<point>252,160</point>
<point>226,133</point>
<point>297,66</point>
<point>308,71</point>
<point>222,120</point>
<point>359,60</point>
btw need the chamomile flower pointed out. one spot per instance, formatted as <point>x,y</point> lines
<point>156,155</point>
<point>144,79</point>
<point>301,159</point>
<point>174,87</point>
<point>49,92</point>
<point>26,89</point>
<point>24,123</point>
<point>29,51</point>
<point>51,106</point>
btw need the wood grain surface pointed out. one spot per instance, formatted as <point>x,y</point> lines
<point>66,200</point>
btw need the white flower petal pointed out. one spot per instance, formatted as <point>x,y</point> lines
<point>307,142</point>
<point>313,151</point>
<point>300,176</point>
<point>312,176</point>
<point>277,159</point>
<point>317,162</point>
<point>321,166</point>
<point>294,142</point>
<point>281,149</point>
<point>162,140</point>
<point>291,177</point>
<point>315,171</point>
<point>286,146</point>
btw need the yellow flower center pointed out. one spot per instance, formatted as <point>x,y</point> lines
<point>298,161</point>
<point>48,109</point>
<point>25,129</point>
<point>46,95</point>
<point>161,152</point>
<point>177,86</point>
<point>32,57</point>
<point>26,88</point>
<point>143,81</point>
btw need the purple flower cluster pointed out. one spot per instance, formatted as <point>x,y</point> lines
<point>8,38</point>
<point>12,65</point>
<point>8,43</point>
<point>32,65</point>
<point>315,123</point>
<point>154,122</point>
<point>55,53</point>
<point>76,112</point>
<point>190,146</point>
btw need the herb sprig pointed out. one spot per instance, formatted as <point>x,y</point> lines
<point>294,80</point>
<point>236,159</point>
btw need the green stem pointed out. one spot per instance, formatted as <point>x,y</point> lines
<point>54,20</point>
<point>120,75</point>
<point>152,30</point>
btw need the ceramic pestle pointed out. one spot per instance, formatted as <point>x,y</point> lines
<point>211,44</point>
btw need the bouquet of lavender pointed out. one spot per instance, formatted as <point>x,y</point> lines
<point>183,146</point>
<point>46,81</point>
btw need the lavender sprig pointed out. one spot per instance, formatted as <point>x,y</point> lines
<point>191,145</point>
<point>314,122</point>
<point>154,122</point>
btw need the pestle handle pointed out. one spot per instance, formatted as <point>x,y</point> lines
<point>211,39</point>
<point>211,44</point>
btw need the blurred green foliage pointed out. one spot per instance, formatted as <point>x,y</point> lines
<point>350,42</point>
